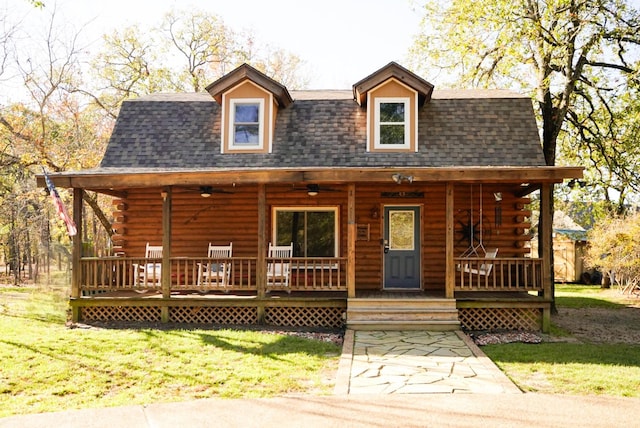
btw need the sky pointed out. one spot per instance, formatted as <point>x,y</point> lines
<point>341,41</point>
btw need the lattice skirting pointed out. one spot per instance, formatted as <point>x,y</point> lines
<point>305,317</point>
<point>121,313</point>
<point>500,318</point>
<point>328,317</point>
<point>214,315</point>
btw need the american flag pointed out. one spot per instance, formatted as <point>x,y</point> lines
<point>60,209</point>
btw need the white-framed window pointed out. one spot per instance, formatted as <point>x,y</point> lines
<point>246,123</point>
<point>392,123</point>
<point>313,230</point>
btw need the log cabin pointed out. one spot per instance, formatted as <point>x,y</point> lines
<point>394,205</point>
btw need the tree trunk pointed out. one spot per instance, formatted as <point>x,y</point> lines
<point>104,221</point>
<point>28,255</point>
<point>550,130</point>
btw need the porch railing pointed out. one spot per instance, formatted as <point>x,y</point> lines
<point>113,274</point>
<point>234,273</point>
<point>308,273</point>
<point>498,274</point>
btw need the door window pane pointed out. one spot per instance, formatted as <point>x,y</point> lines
<point>401,233</point>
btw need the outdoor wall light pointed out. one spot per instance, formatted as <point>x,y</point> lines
<point>313,189</point>
<point>164,195</point>
<point>399,178</point>
<point>206,191</point>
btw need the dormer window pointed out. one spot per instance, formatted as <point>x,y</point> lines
<point>250,101</point>
<point>392,123</point>
<point>246,124</point>
<point>393,97</point>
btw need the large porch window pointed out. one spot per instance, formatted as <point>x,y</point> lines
<point>313,230</point>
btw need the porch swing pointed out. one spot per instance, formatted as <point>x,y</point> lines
<point>477,250</point>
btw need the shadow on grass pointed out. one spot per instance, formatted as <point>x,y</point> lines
<point>282,345</point>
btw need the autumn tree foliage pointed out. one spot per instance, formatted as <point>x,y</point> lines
<point>574,57</point>
<point>614,249</point>
<point>66,96</point>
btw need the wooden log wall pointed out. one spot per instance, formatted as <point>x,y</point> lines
<point>219,219</point>
<point>233,217</point>
<point>508,222</point>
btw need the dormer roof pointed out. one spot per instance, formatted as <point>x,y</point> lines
<point>389,71</point>
<point>246,72</point>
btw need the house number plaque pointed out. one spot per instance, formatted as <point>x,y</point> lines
<point>362,232</point>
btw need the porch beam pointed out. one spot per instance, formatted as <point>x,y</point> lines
<point>351,241</point>
<point>445,174</point>
<point>144,178</point>
<point>76,275</point>
<point>165,271</point>
<point>546,230</point>
<point>122,194</point>
<point>450,274</point>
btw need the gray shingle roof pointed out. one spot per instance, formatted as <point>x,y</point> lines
<point>327,128</point>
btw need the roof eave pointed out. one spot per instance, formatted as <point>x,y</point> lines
<point>246,72</point>
<point>125,178</point>
<point>392,70</point>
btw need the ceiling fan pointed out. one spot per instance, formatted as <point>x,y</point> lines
<point>314,189</point>
<point>207,191</point>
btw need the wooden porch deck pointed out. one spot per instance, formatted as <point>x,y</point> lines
<point>370,309</point>
<point>317,295</point>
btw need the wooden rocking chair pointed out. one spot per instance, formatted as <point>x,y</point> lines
<point>149,273</point>
<point>216,273</point>
<point>279,266</point>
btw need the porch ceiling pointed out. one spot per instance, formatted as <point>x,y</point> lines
<point>111,178</point>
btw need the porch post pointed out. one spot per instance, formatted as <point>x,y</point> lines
<point>76,274</point>
<point>165,270</point>
<point>546,223</point>
<point>261,264</point>
<point>450,270</point>
<point>351,241</point>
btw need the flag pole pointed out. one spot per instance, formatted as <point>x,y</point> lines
<point>72,230</point>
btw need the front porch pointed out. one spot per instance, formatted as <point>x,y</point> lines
<point>363,252</point>
<point>317,296</point>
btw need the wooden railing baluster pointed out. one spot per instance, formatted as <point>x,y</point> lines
<point>507,274</point>
<point>108,274</point>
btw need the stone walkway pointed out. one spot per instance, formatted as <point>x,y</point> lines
<point>417,362</point>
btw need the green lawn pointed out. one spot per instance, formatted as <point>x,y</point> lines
<point>570,367</point>
<point>49,367</point>
<point>587,296</point>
